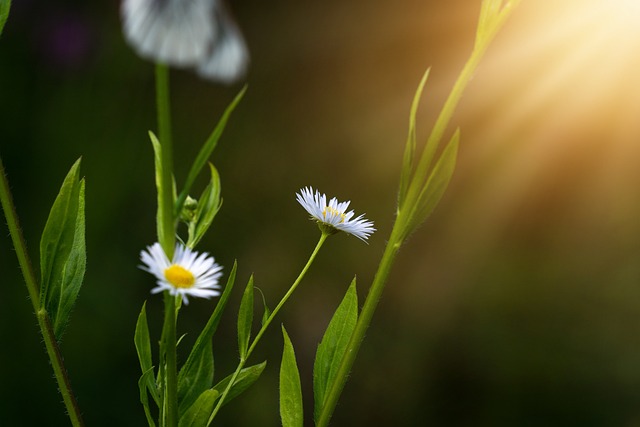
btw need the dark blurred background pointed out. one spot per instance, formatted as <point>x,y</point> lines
<point>516,304</point>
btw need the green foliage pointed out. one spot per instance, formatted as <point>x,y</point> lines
<point>267,312</point>
<point>63,251</point>
<point>246,377</point>
<point>333,346</point>
<point>431,193</point>
<point>208,206</point>
<point>198,414</point>
<point>245,319</point>
<point>207,149</point>
<point>410,147</point>
<point>157,151</point>
<point>142,340</point>
<point>493,13</point>
<point>291,412</point>
<point>5,5</point>
<point>146,383</point>
<point>196,374</point>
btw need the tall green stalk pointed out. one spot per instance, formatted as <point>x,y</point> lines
<point>44,321</point>
<point>167,239</point>
<point>492,15</point>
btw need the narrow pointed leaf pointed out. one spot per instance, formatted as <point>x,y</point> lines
<point>142,340</point>
<point>208,206</point>
<point>75,268</point>
<point>244,380</point>
<point>196,375</point>
<point>267,312</point>
<point>143,386</point>
<point>207,149</point>
<point>63,251</point>
<point>245,319</point>
<point>157,151</point>
<point>436,185</point>
<point>333,346</point>
<point>291,412</point>
<point>198,414</point>
<point>410,147</point>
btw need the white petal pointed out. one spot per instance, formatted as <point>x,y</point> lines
<point>174,32</point>
<point>228,57</point>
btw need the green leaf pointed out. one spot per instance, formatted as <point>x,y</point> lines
<point>244,380</point>
<point>157,151</point>
<point>410,147</point>
<point>63,251</point>
<point>142,340</point>
<point>207,149</point>
<point>333,346</point>
<point>208,206</point>
<point>5,5</point>
<point>143,386</point>
<point>198,414</point>
<point>196,375</point>
<point>291,412</point>
<point>436,185</point>
<point>245,319</point>
<point>143,348</point>
<point>267,312</point>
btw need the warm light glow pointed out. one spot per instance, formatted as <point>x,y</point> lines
<point>563,85</point>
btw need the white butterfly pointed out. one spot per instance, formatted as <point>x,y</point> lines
<point>198,34</point>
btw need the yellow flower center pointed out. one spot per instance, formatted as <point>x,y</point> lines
<point>179,277</point>
<point>332,211</point>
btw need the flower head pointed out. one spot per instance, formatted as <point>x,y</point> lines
<point>198,34</point>
<point>332,217</point>
<point>188,274</point>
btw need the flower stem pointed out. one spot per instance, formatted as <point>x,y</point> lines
<point>53,349</point>
<point>486,31</point>
<point>266,324</point>
<point>167,239</point>
<point>164,135</point>
<point>364,320</point>
<point>171,373</point>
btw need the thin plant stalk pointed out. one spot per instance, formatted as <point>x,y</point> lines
<point>167,240</point>
<point>486,32</point>
<point>266,324</point>
<point>44,322</point>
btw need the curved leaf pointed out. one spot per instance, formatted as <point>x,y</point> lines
<point>245,319</point>
<point>291,412</point>
<point>333,346</point>
<point>243,381</point>
<point>196,375</point>
<point>63,251</point>
<point>198,414</point>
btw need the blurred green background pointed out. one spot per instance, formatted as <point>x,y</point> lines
<point>516,304</point>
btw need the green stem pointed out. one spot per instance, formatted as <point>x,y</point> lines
<point>441,124</point>
<point>486,32</point>
<point>167,241</point>
<point>164,135</point>
<point>171,372</point>
<point>395,241</point>
<point>266,324</point>
<point>364,320</point>
<point>284,299</point>
<point>53,349</point>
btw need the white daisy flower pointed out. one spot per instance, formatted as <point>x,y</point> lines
<point>333,217</point>
<point>189,274</point>
<point>197,34</point>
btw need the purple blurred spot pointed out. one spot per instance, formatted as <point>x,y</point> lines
<point>66,40</point>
